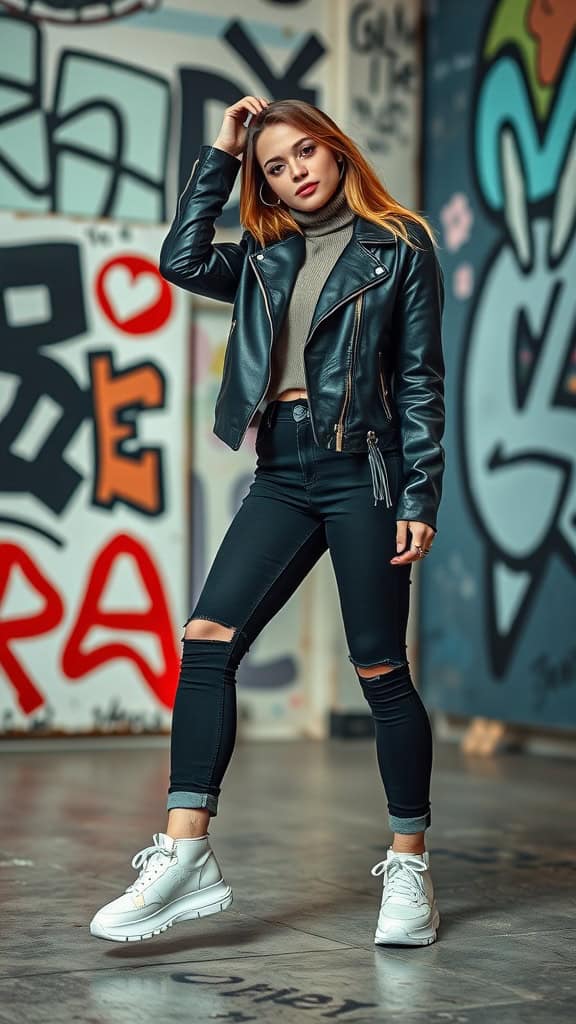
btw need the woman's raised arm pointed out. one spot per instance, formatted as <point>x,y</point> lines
<point>188,257</point>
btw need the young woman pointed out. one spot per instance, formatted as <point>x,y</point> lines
<point>335,353</point>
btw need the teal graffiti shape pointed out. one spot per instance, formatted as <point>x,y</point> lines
<point>503,100</point>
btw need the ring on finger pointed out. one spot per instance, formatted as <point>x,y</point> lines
<point>421,551</point>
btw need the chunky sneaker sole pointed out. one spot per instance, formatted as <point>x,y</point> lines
<point>179,880</point>
<point>211,900</point>
<point>401,933</point>
<point>409,912</point>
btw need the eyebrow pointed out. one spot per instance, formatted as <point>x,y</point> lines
<point>295,146</point>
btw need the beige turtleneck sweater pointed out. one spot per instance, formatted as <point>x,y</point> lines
<point>327,231</point>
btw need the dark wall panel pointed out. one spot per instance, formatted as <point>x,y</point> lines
<point>498,594</point>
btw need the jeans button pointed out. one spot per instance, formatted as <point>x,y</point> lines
<point>299,412</point>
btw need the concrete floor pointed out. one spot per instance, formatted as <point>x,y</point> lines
<point>299,827</point>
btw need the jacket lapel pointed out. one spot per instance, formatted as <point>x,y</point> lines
<point>277,267</point>
<point>355,270</point>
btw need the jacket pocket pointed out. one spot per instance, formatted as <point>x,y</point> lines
<point>382,388</point>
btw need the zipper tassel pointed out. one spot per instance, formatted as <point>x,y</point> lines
<point>380,483</point>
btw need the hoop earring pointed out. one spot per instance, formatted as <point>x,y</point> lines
<point>278,201</point>
<point>342,169</point>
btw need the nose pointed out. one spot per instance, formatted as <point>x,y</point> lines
<point>298,172</point>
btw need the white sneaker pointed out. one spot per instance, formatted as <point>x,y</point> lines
<point>180,879</point>
<point>408,914</point>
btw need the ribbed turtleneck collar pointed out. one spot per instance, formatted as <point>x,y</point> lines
<point>335,214</point>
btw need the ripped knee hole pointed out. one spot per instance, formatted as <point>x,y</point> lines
<point>208,629</point>
<point>377,670</point>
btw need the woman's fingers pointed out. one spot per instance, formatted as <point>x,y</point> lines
<point>401,534</point>
<point>257,103</point>
<point>408,556</point>
<point>422,536</point>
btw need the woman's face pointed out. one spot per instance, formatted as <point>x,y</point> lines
<point>289,160</point>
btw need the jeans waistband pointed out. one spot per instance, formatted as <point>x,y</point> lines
<point>294,409</point>
<point>298,409</point>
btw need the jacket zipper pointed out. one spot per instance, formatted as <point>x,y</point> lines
<point>339,426</point>
<point>365,288</point>
<point>196,162</point>
<point>264,296</point>
<point>227,353</point>
<point>227,357</point>
<point>384,389</point>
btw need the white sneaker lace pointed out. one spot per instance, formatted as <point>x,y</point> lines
<point>401,879</point>
<point>151,864</point>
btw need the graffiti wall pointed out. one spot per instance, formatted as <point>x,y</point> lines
<point>104,107</point>
<point>102,111</point>
<point>499,597</point>
<point>92,517</point>
<point>382,81</point>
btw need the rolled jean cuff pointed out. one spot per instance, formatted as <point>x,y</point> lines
<point>188,799</point>
<point>410,825</point>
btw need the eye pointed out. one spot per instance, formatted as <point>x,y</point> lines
<point>305,149</point>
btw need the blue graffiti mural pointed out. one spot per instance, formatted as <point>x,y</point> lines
<point>500,142</point>
<point>518,394</point>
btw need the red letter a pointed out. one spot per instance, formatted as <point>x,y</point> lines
<point>156,620</point>
<point>12,558</point>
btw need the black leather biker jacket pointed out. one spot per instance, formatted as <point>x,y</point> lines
<point>373,358</point>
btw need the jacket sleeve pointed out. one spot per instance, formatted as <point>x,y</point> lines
<point>419,382</point>
<point>188,257</point>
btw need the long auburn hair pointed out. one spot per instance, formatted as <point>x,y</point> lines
<point>365,193</point>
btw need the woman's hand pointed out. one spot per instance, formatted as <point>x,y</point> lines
<point>422,536</point>
<point>232,134</point>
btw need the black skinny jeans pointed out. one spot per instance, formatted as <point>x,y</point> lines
<point>303,500</point>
